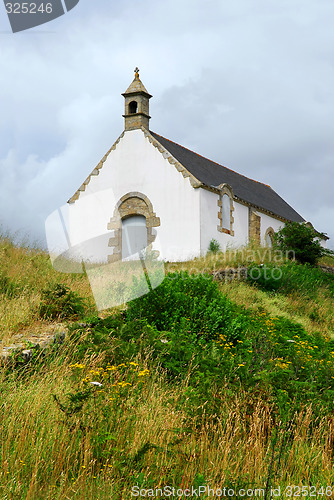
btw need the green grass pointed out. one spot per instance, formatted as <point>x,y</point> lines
<point>99,443</point>
<point>24,274</point>
<point>221,384</point>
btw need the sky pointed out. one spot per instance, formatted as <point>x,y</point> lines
<point>248,84</point>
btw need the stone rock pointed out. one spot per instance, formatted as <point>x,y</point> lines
<point>26,354</point>
<point>327,269</point>
<point>230,274</point>
<point>4,357</point>
<point>34,342</point>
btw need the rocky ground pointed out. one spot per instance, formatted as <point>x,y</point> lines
<point>26,341</point>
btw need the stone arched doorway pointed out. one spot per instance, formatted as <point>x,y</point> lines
<point>131,205</point>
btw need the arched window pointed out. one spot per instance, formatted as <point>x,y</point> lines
<point>134,235</point>
<point>225,213</point>
<point>133,107</point>
<point>269,237</point>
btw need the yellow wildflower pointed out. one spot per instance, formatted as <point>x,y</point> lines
<point>143,373</point>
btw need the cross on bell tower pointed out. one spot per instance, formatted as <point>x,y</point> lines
<point>136,105</point>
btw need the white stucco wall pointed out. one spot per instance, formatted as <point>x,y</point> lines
<point>266,222</point>
<point>137,165</point>
<point>188,216</point>
<point>210,221</point>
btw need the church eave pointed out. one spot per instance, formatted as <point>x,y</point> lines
<point>136,93</point>
<point>215,190</point>
<point>196,183</point>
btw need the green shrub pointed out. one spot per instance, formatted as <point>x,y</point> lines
<point>59,302</point>
<point>188,303</point>
<point>267,277</point>
<point>94,335</point>
<point>191,331</point>
<point>214,246</point>
<point>300,242</point>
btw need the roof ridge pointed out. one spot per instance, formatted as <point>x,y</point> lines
<point>212,161</point>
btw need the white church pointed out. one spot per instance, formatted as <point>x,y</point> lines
<point>150,192</point>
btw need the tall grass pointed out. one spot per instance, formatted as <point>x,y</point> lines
<point>153,444</point>
<point>24,273</point>
<point>159,433</point>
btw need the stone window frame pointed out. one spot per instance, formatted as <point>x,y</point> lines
<point>269,232</point>
<point>225,189</point>
<point>133,203</point>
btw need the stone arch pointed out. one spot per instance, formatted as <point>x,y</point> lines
<point>133,203</point>
<point>269,234</point>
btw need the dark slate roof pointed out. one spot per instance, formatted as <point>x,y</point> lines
<point>212,174</point>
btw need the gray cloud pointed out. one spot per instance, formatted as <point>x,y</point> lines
<point>247,84</point>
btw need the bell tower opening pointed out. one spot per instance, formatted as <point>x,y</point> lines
<point>133,107</point>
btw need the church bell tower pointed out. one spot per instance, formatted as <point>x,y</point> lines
<point>136,105</point>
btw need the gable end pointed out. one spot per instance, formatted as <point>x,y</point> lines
<point>96,171</point>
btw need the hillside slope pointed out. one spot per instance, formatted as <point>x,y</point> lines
<point>197,384</point>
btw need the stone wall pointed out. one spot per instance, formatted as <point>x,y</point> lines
<point>254,233</point>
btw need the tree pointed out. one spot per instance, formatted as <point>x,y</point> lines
<point>301,241</point>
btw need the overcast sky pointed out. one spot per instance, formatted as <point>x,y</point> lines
<point>247,83</point>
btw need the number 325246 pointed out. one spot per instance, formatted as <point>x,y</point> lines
<point>28,8</point>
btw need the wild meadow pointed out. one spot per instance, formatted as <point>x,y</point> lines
<point>197,384</point>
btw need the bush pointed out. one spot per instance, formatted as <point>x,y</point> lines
<point>191,331</point>
<point>94,335</point>
<point>214,246</point>
<point>59,302</point>
<point>189,303</point>
<point>299,240</point>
